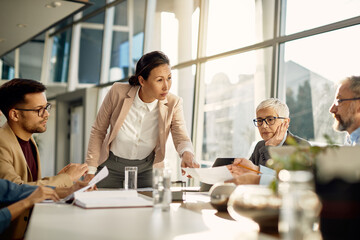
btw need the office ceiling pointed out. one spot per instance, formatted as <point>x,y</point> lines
<point>21,20</point>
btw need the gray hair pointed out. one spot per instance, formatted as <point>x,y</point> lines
<point>354,84</point>
<point>280,108</point>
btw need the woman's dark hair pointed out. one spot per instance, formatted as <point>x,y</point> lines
<point>147,63</point>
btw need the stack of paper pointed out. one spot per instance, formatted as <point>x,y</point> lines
<point>110,199</point>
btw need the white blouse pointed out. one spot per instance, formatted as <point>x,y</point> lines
<point>139,133</point>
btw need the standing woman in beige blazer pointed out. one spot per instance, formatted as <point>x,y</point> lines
<point>140,116</point>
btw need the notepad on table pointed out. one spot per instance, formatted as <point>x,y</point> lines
<point>111,199</point>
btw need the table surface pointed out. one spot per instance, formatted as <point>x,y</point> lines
<point>194,218</point>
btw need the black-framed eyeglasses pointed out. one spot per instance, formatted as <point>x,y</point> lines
<point>258,122</point>
<point>338,101</point>
<point>40,111</point>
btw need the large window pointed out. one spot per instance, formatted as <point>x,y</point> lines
<point>172,26</point>
<point>91,50</point>
<point>309,70</point>
<point>234,24</point>
<point>8,64</point>
<point>60,54</point>
<point>302,15</point>
<point>127,32</point>
<point>233,87</point>
<point>31,56</point>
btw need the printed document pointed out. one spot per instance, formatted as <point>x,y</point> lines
<point>98,177</point>
<point>210,175</point>
<point>110,199</point>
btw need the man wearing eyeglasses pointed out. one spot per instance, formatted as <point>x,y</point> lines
<point>346,109</point>
<point>24,104</point>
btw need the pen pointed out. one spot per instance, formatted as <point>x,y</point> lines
<point>249,168</point>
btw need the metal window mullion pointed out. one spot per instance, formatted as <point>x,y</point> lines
<point>93,26</point>
<point>275,49</point>
<point>46,63</point>
<point>118,28</point>
<point>130,13</point>
<point>199,98</point>
<point>73,74</point>
<point>17,63</point>
<point>1,66</point>
<point>106,45</point>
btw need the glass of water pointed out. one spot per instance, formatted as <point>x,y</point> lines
<point>130,178</point>
<point>161,188</point>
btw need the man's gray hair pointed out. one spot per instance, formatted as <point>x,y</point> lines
<point>280,108</point>
<point>354,84</point>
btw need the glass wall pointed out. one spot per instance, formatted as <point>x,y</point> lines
<point>31,56</point>
<point>91,49</point>
<point>309,69</point>
<point>8,66</point>
<point>60,56</point>
<point>318,13</point>
<point>237,24</point>
<point>232,86</point>
<point>172,26</point>
<point>127,32</point>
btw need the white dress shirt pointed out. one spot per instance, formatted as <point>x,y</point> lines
<point>139,133</point>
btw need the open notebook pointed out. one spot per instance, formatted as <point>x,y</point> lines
<point>111,199</point>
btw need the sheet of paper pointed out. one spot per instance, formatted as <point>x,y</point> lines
<point>106,199</point>
<point>98,177</point>
<point>210,175</point>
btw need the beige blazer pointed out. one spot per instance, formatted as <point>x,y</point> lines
<point>113,112</point>
<point>13,167</point>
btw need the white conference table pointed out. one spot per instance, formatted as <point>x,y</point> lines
<point>187,220</point>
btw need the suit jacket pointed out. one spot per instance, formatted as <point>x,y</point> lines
<point>13,167</point>
<point>260,154</point>
<point>113,112</point>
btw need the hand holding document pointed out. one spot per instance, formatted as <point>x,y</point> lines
<point>98,177</point>
<point>210,175</point>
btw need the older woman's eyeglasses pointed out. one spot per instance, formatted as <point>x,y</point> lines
<point>40,111</point>
<point>258,122</point>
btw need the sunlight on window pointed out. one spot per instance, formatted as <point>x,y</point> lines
<point>239,18</point>
<point>169,35</point>
<point>318,13</point>
<point>333,55</point>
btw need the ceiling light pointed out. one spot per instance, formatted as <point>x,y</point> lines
<point>21,25</point>
<point>53,4</point>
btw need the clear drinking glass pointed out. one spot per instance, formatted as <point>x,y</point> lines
<point>130,178</point>
<point>161,188</point>
<point>299,213</point>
